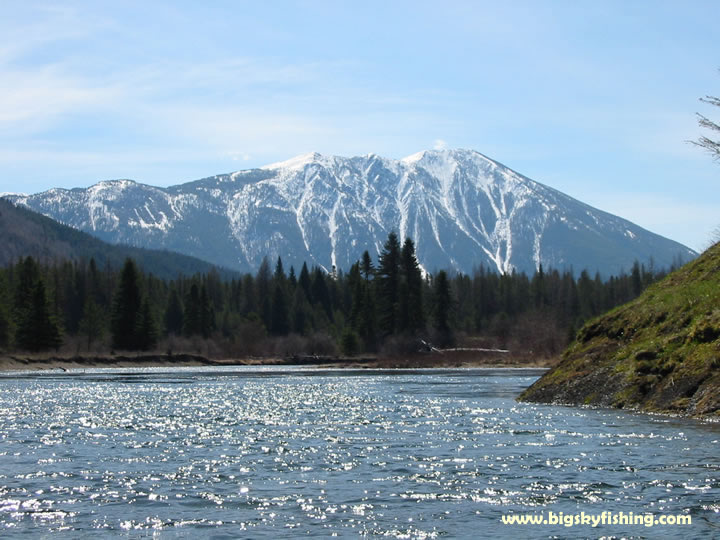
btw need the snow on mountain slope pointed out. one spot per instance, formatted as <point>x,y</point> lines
<point>461,208</point>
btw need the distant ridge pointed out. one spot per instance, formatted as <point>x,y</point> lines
<point>25,233</point>
<point>460,207</point>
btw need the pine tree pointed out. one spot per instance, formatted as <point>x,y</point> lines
<point>92,323</point>
<point>147,333</point>
<point>355,286</point>
<point>250,304</point>
<point>28,274</point>
<point>207,314</point>
<point>367,267</point>
<point>280,313</point>
<point>38,330</point>
<point>586,296</point>
<point>305,283</point>
<point>174,313</point>
<point>349,342</point>
<point>126,308</point>
<point>301,313</point>
<point>192,320</point>
<point>264,292</point>
<point>538,289</point>
<point>5,329</point>
<point>367,326</point>
<point>412,317</point>
<point>292,280</point>
<point>442,311</point>
<point>279,271</point>
<point>280,320</point>
<point>321,293</point>
<point>388,284</point>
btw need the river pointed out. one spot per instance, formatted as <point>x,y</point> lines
<point>249,452</point>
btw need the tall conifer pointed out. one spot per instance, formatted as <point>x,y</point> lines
<point>174,313</point>
<point>388,284</point>
<point>38,330</point>
<point>4,313</point>
<point>126,308</point>
<point>147,333</point>
<point>412,315</point>
<point>442,309</point>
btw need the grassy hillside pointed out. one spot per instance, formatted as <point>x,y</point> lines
<point>660,352</point>
<point>25,233</point>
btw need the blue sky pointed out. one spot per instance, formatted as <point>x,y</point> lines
<point>596,99</point>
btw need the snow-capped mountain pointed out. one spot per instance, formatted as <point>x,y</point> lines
<point>461,208</point>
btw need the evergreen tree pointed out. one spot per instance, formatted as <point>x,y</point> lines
<point>250,304</point>
<point>349,342</point>
<point>301,313</point>
<point>586,297</point>
<point>279,271</point>
<point>28,274</point>
<point>305,283</point>
<point>388,284</point>
<point>538,288</point>
<point>207,314</point>
<point>192,320</point>
<point>412,317</point>
<point>366,302</point>
<point>280,319</point>
<point>234,303</point>
<point>147,333</point>
<point>442,312</point>
<point>367,325</point>
<point>174,313</point>
<point>321,293</point>
<point>292,280</point>
<point>366,265</point>
<point>92,323</point>
<point>356,289</point>
<point>126,308</point>
<point>264,292</point>
<point>38,330</point>
<point>5,329</point>
<point>70,279</point>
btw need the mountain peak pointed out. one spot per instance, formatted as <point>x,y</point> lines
<point>116,183</point>
<point>460,207</point>
<point>444,153</point>
<point>297,162</point>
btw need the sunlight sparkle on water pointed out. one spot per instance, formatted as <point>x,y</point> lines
<point>402,454</point>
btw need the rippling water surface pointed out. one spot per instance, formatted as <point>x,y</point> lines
<point>253,452</point>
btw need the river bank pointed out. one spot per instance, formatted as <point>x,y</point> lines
<point>659,353</point>
<point>15,362</point>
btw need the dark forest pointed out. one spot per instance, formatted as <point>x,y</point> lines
<point>388,306</point>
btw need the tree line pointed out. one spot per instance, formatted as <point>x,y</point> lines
<point>384,306</point>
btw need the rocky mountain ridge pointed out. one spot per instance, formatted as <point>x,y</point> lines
<point>462,208</point>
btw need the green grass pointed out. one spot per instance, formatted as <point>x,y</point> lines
<point>660,352</point>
